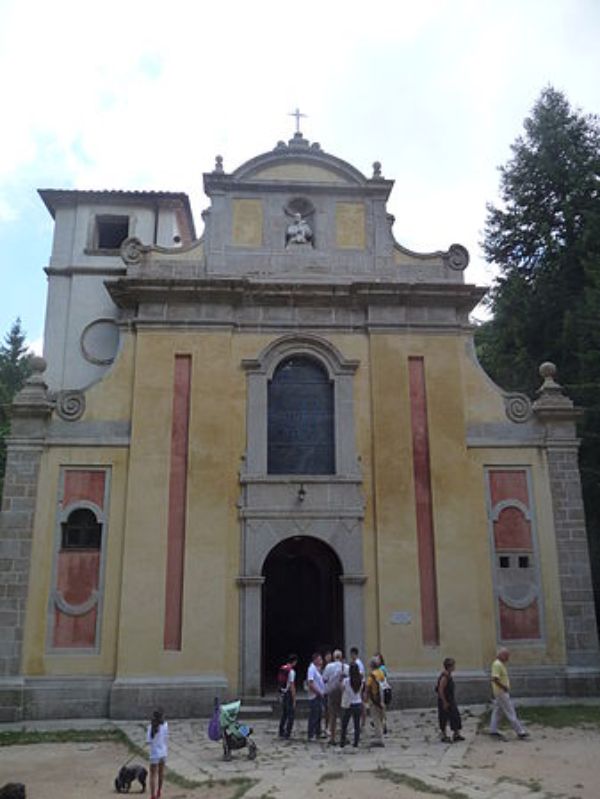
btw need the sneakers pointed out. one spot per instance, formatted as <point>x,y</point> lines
<point>498,736</point>
<point>445,739</point>
<point>523,735</point>
<point>457,737</point>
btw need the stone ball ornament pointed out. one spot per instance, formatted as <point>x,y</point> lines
<point>38,364</point>
<point>458,257</point>
<point>548,370</point>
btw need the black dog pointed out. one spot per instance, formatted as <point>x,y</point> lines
<point>12,790</point>
<point>127,774</point>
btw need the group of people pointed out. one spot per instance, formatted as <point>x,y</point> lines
<point>340,690</point>
<point>337,691</point>
<point>344,691</point>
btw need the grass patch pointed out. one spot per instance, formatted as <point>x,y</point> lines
<point>331,775</point>
<point>416,784</point>
<point>26,737</point>
<point>559,716</point>
<point>533,784</point>
<point>556,716</point>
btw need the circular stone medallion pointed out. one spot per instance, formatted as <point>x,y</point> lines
<point>100,341</point>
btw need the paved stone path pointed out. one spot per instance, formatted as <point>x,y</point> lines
<point>291,769</point>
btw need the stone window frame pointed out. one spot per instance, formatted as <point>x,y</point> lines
<point>340,371</point>
<point>97,598</point>
<point>95,221</point>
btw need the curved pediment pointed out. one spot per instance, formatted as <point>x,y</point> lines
<point>299,161</point>
<point>297,171</point>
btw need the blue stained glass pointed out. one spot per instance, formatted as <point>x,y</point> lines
<point>300,419</point>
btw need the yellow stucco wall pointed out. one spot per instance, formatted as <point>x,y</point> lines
<point>247,223</point>
<point>140,387</point>
<point>350,225</point>
<point>296,171</point>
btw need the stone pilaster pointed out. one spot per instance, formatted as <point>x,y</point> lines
<point>30,411</point>
<point>559,416</point>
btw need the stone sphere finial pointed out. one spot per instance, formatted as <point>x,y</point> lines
<point>548,370</point>
<point>218,163</point>
<point>376,169</point>
<point>38,364</point>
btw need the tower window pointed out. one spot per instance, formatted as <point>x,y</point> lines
<point>111,231</point>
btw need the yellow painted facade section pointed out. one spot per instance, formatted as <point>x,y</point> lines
<point>299,172</point>
<point>36,660</point>
<point>247,222</point>
<point>140,388</point>
<point>350,225</point>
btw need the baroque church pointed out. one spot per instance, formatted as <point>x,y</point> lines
<point>271,438</point>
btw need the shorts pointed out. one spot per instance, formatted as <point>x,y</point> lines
<point>154,761</point>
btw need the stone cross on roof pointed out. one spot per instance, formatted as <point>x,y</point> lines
<point>297,114</point>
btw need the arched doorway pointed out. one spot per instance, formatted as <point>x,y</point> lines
<point>302,603</point>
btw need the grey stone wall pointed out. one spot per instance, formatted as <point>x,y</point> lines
<point>573,558</point>
<point>16,532</point>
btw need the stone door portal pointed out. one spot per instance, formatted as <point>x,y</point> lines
<point>302,604</point>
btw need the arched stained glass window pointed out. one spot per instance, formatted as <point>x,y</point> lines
<point>301,419</point>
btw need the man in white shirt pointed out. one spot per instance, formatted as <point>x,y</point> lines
<point>316,692</point>
<point>355,659</point>
<point>332,677</point>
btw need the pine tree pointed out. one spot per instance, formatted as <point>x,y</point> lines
<point>15,368</point>
<point>545,239</point>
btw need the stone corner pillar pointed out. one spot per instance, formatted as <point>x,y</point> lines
<point>250,631</point>
<point>354,619</point>
<point>558,415</point>
<point>30,412</point>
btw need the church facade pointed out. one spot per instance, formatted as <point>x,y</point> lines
<point>276,438</point>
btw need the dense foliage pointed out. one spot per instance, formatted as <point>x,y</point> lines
<point>14,370</point>
<point>545,239</point>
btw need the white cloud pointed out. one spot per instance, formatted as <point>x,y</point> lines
<point>144,95</point>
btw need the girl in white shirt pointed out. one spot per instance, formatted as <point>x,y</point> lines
<point>158,738</point>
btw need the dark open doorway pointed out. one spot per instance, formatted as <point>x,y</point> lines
<point>302,604</point>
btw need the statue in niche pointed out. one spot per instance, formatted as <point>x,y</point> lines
<point>299,231</point>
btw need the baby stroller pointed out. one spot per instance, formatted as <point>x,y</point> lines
<point>235,735</point>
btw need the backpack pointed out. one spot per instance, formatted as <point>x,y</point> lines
<point>283,676</point>
<point>214,725</point>
<point>385,691</point>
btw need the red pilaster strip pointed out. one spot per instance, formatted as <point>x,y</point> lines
<point>177,502</point>
<point>423,501</point>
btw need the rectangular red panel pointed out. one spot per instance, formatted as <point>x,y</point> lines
<point>177,502</point>
<point>423,501</point>
<point>76,581</point>
<point>509,484</point>
<point>519,623</point>
<point>84,484</point>
<point>512,531</point>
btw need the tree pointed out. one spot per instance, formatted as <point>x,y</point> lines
<point>15,368</point>
<point>545,239</point>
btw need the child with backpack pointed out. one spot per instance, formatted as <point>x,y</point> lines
<point>286,681</point>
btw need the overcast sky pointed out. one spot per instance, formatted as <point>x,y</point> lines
<point>143,95</point>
